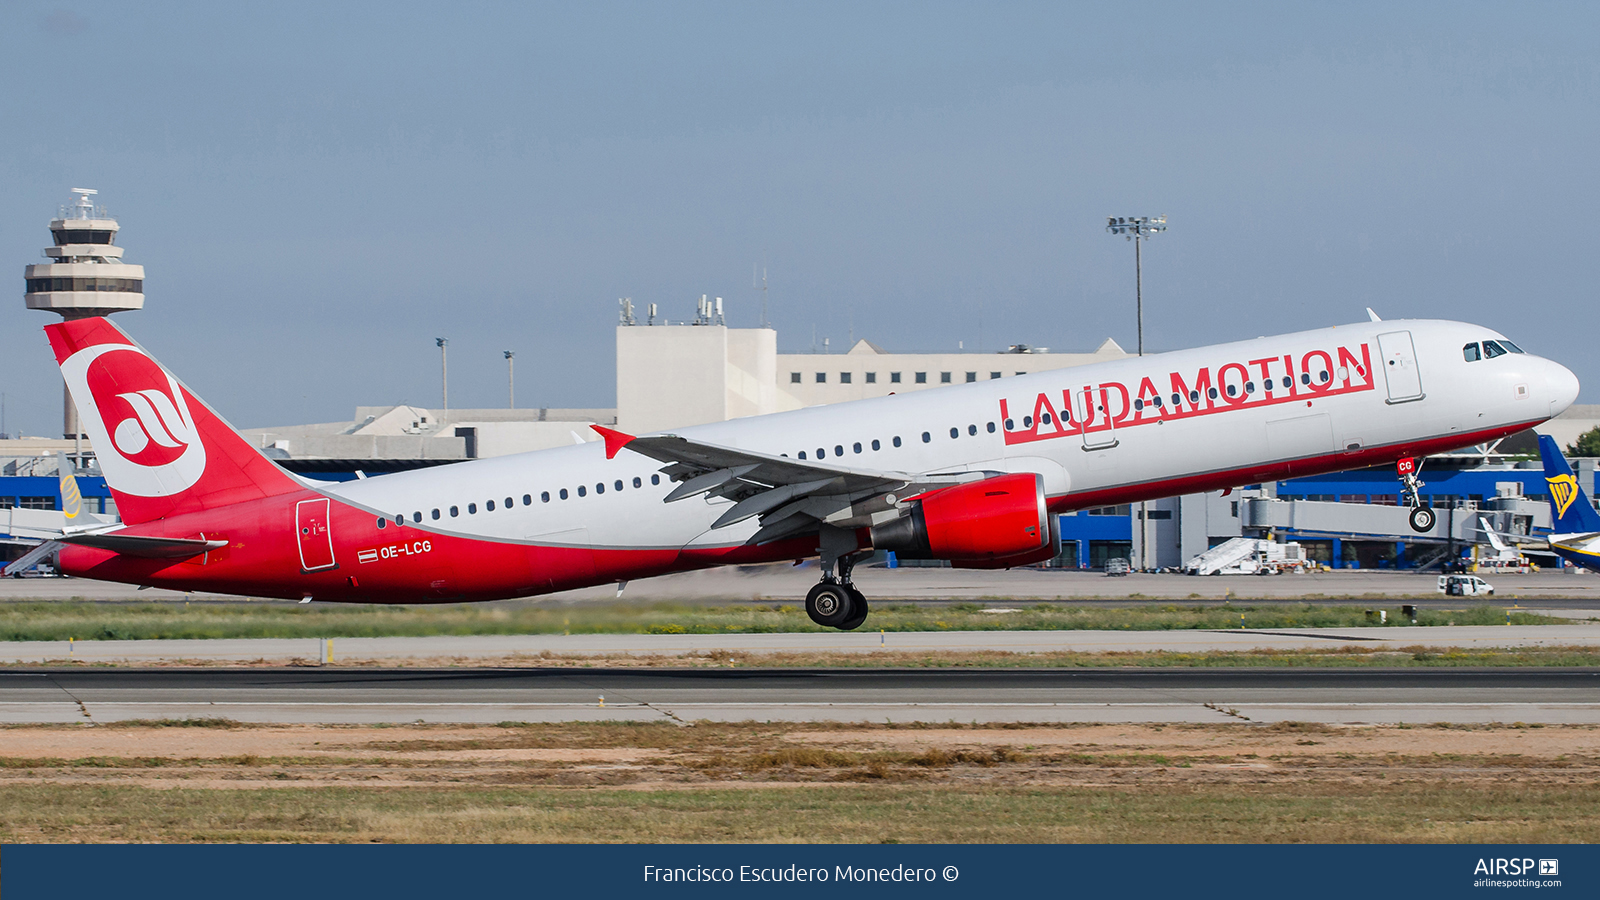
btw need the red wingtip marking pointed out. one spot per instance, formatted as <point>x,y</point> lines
<point>615,440</point>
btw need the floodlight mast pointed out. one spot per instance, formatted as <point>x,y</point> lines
<point>444,373</point>
<point>511,379</point>
<point>1138,229</point>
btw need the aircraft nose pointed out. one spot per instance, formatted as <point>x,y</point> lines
<point>1562,386</point>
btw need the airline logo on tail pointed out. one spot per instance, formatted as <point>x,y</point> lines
<point>1563,490</point>
<point>139,421</point>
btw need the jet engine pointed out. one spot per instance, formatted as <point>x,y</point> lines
<point>995,523</point>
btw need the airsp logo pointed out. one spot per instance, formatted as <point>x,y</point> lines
<point>1564,488</point>
<point>135,409</point>
<point>1502,866</point>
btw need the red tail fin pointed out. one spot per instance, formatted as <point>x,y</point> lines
<point>163,451</point>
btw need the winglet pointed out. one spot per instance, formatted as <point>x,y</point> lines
<point>615,440</point>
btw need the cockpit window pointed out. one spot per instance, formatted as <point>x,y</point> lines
<point>1470,352</point>
<point>1492,349</point>
<point>1510,346</point>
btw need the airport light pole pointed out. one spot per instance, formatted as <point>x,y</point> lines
<point>511,379</point>
<point>1138,229</point>
<point>444,372</point>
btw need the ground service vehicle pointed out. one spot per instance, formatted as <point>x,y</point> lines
<point>1464,586</point>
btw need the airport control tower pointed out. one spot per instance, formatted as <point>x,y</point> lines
<point>84,277</point>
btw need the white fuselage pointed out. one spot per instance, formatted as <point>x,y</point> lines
<point>1340,397</point>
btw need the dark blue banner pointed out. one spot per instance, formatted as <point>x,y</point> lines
<point>446,871</point>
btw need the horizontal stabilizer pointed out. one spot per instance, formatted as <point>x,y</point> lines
<point>144,546</point>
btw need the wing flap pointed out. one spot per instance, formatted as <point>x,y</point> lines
<point>791,496</point>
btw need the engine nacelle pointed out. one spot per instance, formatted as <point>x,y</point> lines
<point>995,523</point>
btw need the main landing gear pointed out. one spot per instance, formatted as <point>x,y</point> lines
<point>835,602</point>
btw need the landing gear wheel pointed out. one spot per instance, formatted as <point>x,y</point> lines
<point>829,605</point>
<point>858,610</point>
<point>1422,519</point>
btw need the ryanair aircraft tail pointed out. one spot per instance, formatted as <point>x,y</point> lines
<point>1570,510</point>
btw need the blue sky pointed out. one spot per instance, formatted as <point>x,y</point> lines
<point>318,190</point>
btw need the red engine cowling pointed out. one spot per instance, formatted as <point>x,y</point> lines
<point>995,523</point>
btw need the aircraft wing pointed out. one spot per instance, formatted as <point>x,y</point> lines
<point>790,496</point>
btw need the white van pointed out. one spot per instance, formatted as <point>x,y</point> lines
<point>1464,586</point>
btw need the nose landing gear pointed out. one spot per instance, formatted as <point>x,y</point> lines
<point>1422,518</point>
<point>835,602</point>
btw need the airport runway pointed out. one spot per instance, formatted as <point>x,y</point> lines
<point>1544,695</point>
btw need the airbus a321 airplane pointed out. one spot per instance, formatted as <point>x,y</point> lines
<point>972,473</point>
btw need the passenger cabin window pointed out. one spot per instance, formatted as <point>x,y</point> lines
<point>794,377</point>
<point>972,376</point>
<point>583,491</point>
<point>544,496</point>
<point>876,445</point>
<point>655,479</point>
<point>822,378</point>
<point>454,511</point>
<point>489,506</point>
<point>844,377</point>
<point>897,440</point>
<point>894,377</point>
<point>472,509</point>
<point>922,378</point>
<point>436,514</point>
<point>416,516</point>
<point>944,377</point>
<point>926,437</point>
<point>527,500</point>
<point>872,378</point>
<point>383,523</point>
<point>600,488</point>
<point>563,493</point>
<point>994,374</point>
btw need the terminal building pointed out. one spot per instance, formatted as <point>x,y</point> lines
<point>673,375</point>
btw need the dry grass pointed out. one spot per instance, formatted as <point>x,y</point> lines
<point>204,780</point>
<point>1322,813</point>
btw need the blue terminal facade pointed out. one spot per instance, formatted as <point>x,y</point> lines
<point>1089,537</point>
<point>44,492</point>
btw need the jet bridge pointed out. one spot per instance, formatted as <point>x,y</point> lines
<point>1374,522</point>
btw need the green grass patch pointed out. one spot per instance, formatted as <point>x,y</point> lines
<point>87,620</point>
